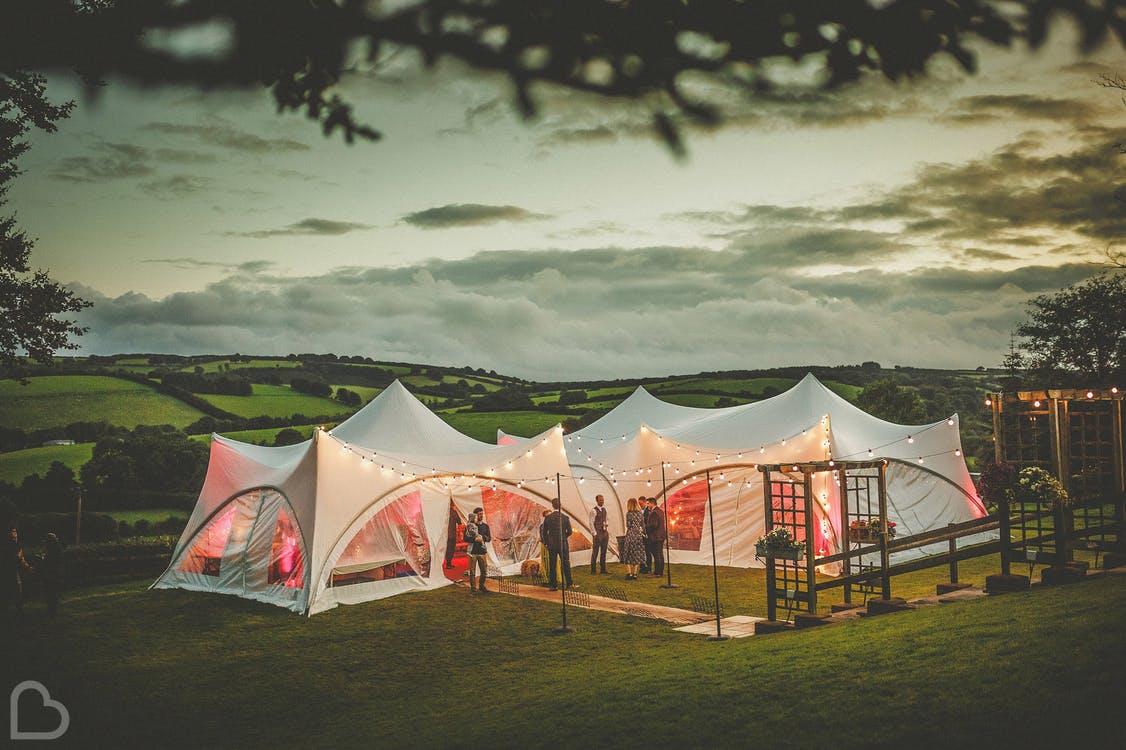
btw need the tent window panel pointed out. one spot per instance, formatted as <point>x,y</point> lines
<point>207,552</point>
<point>514,522</point>
<point>287,559</point>
<point>392,544</point>
<point>686,508</point>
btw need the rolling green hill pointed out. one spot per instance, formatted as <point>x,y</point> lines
<point>15,465</point>
<point>277,401</point>
<point>58,400</point>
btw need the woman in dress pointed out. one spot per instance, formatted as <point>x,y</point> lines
<point>634,553</point>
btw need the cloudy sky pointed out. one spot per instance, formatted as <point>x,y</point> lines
<point>907,224</point>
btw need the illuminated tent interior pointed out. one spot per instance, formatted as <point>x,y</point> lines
<point>624,453</point>
<point>366,510</point>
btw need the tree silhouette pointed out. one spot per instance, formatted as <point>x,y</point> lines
<point>301,49</point>
<point>29,300</point>
<point>1079,333</point>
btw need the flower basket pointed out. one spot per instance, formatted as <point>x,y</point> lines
<point>860,534</point>
<point>780,554</point>
<point>779,544</point>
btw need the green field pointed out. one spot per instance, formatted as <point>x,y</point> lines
<point>367,393</point>
<point>746,385</point>
<point>425,381</point>
<point>58,400</point>
<point>15,465</point>
<point>703,400</point>
<point>483,425</point>
<point>218,365</point>
<point>259,437</point>
<point>277,401</point>
<point>1041,669</point>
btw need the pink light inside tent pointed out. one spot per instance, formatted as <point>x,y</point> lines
<point>209,545</point>
<point>286,559</point>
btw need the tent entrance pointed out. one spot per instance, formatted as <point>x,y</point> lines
<point>456,562</point>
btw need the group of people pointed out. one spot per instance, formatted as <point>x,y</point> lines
<point>642,553</point>
<point>14,567</point>
<point>644,548</point>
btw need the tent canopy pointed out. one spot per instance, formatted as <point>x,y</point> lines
<point>360,512</point>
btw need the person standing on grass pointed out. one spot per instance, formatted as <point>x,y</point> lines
<point>601,531</point>
<point>554,533</point>
<point>476,549</point>
<point>13,567</point>
<point>655,535</point>
<point>634,553</point>
<point>646,566</point>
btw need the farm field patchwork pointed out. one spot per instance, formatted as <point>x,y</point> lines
<point>277,401</point>
<point>483,425</point>
<point>58,400</point>
<point>16,465</point>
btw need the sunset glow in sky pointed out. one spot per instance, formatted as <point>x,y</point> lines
<point>907,223</point>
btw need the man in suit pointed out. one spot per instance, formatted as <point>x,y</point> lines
<point>600,528</point>
<point>655,536</point>
<point>646,566</point>
<point>554,531</point>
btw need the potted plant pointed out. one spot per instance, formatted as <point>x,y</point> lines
<point>779,544</point>
<point>1035,485</point>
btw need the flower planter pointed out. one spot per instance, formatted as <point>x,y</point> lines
<point>782,554</point>
<point>861,535</point>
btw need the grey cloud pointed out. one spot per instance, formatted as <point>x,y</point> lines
<point>312,226</point>
<point>601,312</point>
<point>111,161</point>
<point>250,266</point>
<point>1005,107</point>
<point>976,253</point>
<point>468,214</point>
<point>177,186</point>
<point>228,137</point>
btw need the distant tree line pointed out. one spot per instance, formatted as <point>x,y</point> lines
<point>147,467</point>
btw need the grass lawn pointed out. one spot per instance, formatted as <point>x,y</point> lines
<point>152,515</point>
<point>15,465</point>
<point>265,436</point>
<point>58,400</point>
<point>483,425</point>
<point>138,668</point>
<point>277,401</point>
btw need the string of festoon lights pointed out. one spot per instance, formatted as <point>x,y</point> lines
<point>909,440</point>
<point>697,460</point>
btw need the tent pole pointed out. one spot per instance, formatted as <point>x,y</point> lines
<point>719,636</point>
<point>559,562</point>
<point>668,549</point>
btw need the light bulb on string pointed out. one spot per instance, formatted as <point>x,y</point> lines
<point>910,439</point>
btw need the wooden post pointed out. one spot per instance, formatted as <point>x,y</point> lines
<point>1004,531</point>
<point>768,517</point>
<point>885,577</point>
<point>810,550</point>
<point>953,563</point>
<point>998,455</point>
<point>842,482</point>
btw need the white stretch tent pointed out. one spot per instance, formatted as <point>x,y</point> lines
<point>622,455</point>
<point>361,512</point>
